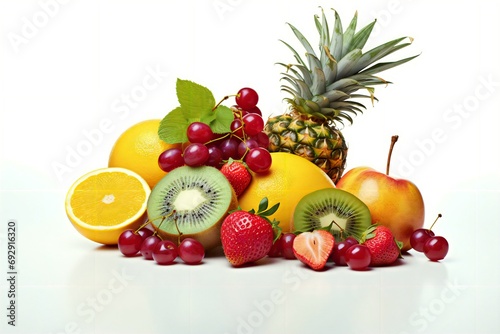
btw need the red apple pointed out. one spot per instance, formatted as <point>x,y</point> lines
<point>395,203</point>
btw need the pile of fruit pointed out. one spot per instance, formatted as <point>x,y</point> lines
<point>205,175</point>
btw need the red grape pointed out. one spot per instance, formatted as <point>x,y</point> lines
<point>196,154</point>
<point>214,157</point>
<point>275,250</point>
<point>191,251</point>
<point>253,124</point>
<point>287,246</point>
<point>262,139</point>
<point>259,160</point>
<point>198,132</point>
<point>436,248</point>
<point>129,243</point>
<point>237,127</point>
<point>170,159</point>
<point>229,148</point>
<point>358,257</point>
<point>255,110</point>
<point>165,252</point>
<point>148,245</point>
<point>246,145</point>
<point>247,98</point>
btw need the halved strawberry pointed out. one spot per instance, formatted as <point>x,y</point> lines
<point>313,248</point>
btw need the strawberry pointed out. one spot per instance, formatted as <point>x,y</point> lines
<point>313,248</point>
<point>248,236</point>
<point>383,247</point>
<point>237,174</point>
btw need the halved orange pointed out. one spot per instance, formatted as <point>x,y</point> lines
<point>107,201</point>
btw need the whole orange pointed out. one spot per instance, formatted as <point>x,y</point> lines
<point>138,148</point>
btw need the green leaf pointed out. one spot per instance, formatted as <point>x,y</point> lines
<point>303,40</point>
<point>328,228</point>
<point>276,229</point>
<point>195,99</point>
<point>271,210</point>
<point>349,35</point>
<point>221,123</point>
<point>208,118</point>
<point>361,37</point>
<point>196,105</point>
<point>173,127</point>
<point>368,233</point>
<point>263,205</point>
<point>337,39</point>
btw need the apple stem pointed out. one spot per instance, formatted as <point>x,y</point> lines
<point>439,216</point>
<point>394,139</point>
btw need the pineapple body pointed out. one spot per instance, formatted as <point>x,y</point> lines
<point>318,142</point>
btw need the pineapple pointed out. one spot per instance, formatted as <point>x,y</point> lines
<point>324,91</point>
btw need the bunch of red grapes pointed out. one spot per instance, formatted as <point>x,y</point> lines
<point>245,141</point>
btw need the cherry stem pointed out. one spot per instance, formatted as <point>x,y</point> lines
<point>155,232</point>
<point>223,99</point>
<point>439,216</point>
<point>340,228</point>
<point>394,139</point>
<point>178,231</point>
<point>142,226</point>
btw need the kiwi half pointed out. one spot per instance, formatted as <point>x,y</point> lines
<point>194,201</point>
<point>322,207</point>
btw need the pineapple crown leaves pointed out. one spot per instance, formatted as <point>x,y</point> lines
<point>323,86</point>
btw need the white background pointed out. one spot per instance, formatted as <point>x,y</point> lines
<point>66,68</point>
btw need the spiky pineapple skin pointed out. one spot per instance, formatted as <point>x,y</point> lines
<point>317,141</point>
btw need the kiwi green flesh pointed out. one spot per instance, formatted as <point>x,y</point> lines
<point>319,209</point>
<point>191,200</point>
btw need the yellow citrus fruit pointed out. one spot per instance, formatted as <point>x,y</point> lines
<point>138,149</point>
<point>107,201</point>
<point>290,178</point>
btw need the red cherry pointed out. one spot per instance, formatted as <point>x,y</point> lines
<point>420,236</point>
<point>436,248</point>
<point>276,249</point>
<point>358,257</point>
<point>338,253</point>
<point>247,98</point>
<point>287,246</point>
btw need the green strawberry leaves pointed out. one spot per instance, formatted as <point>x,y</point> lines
<point>264,211</point>
<point>197,104</point>
<point>369,233</point>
